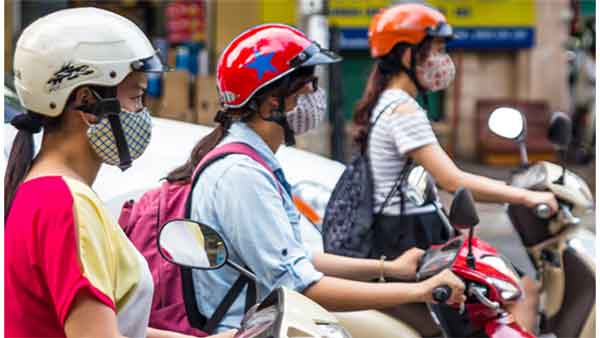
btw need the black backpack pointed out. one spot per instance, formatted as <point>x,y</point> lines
<point>347,223</point>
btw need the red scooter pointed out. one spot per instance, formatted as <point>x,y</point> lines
<point>490,279</point>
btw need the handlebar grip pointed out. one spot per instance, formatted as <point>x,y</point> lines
<point>543,211</point>
<point>442,293</point>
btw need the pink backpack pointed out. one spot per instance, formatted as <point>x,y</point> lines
<point>141,222</point>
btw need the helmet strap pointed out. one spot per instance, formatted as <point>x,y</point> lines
<point>278,116</point>
<point>412,74</point>
<point>412,70</point>
<point>110,107</point>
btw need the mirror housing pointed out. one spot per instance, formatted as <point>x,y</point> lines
<point>191,244</point>
<point>463,214</point>
<point>508,123</point>
<point>559,132</point>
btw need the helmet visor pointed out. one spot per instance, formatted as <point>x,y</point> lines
<point>442,30</point>
<point>314,55</point>
<point>152,64</point>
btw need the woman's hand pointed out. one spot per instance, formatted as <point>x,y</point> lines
<point>535,198</point>
<point>405,266</point>
<point>448,278</point>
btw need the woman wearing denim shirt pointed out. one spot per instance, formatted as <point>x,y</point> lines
<point>267,85</point>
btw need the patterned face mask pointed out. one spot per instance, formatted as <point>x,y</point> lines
<point>137,128</point>
<point>308,113</point>
<point>437,72</point>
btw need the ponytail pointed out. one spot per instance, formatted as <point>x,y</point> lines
<point>22,152</point>
<point>184,172</point>
<point>376,84</point>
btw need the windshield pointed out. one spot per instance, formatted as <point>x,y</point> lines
<point>438,259</point>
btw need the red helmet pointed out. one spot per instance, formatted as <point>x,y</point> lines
<point>261,55</point>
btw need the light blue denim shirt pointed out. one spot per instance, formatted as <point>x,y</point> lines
<point>255,214</point>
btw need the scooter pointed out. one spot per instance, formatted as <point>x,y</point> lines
<point>283,314</point>
<point>490,279</point>
<point>560,248</point>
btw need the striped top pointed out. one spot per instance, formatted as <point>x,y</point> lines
<point>394,135</point>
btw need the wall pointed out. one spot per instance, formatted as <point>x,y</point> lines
<point>536,74</point>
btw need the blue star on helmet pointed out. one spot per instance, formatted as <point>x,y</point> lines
<point>262,64</point>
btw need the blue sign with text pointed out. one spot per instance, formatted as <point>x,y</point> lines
<point>465,38</point>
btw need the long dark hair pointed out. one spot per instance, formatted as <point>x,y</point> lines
<point>383,70</point>
<point>283,87</point>
<point>22,151</point>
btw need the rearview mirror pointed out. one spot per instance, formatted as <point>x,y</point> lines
<point>507,123</point>
<point>192,244</point>
<point>559,132</point>
<point>463,214</point>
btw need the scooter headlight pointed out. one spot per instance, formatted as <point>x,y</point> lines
<point>333,331</point>
<point>508,291</point>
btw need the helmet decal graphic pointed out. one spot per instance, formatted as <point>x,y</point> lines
<point>262,63</point>
<point>68,72</point>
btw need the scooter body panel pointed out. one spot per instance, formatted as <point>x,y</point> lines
<point>375,324</point>
<point>505,327</point>
<point>570,290</point>
<point>300,315</point>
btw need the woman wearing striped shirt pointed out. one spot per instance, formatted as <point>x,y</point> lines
<point>408,44</point>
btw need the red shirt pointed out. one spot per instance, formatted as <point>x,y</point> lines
<point>58,241</point>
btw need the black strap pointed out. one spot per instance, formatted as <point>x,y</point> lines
<point>399,180</point>
<point>372,124</point>
<point>397,186</point>
<point>117,129</point>
<point>226,303</point>
<point>197,319</point>
<point>251,294</point>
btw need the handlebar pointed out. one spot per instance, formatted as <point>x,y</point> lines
<point>442,293</point>
<point>543,211</point>
<point>564,213</point>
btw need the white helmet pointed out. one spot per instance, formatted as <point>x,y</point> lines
<point>69,48</point>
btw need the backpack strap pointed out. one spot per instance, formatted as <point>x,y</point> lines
<point>222,151</point>
<point>398,186</point>
<point>372,124</point>
<point>398,183</point>
<point>197,319</point>
<point>226,303</point>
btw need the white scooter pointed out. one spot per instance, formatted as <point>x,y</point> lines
<point>560,248</point>
<point>283,314</point>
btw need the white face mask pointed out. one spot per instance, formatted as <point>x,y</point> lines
<point>308,113</point>
<point>437,72</point>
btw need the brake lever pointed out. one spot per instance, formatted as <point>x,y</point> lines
<point>565,216</point>
<point>478,292</point>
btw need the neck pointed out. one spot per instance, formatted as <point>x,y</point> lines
<point>65,157</point>
<point>403,81</point>
<point>270,132</point>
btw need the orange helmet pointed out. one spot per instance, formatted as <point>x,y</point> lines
<point>408,23</point>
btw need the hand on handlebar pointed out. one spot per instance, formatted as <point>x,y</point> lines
<point>535,198</point>
<point>444,278</point>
